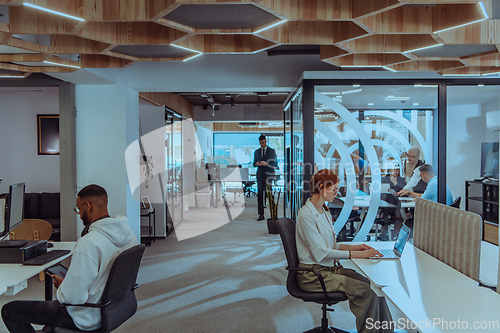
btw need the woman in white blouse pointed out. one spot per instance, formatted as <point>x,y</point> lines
<point>412,171</point>
<point>317,248</point>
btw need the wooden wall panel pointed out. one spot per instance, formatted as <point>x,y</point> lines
<point>172,101</point>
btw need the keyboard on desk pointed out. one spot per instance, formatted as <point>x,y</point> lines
<point>388,254</point>
<point>45,257</point>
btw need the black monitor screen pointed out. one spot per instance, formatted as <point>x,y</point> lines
<point>489,159</point>
<point>14,208</point>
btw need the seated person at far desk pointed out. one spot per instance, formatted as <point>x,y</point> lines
<point>393,178</point>
<point>317,248</point>
<point>91,263</point>
<point>431,192</point>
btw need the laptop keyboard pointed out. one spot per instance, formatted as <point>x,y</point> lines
<point>388,253</point>
<point>45,257</point>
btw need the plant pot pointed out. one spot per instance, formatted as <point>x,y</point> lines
<point>272,227</point>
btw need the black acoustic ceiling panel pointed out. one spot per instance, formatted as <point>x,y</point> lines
<point>220,16</point>
<point>454,50</point>
<point>152,51</point>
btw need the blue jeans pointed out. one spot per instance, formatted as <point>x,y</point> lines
<point>19,315</point>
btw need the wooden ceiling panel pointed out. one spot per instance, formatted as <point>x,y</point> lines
<point>225,43</point>
<point>367,60</point>
<point>62,44</point>
<point>473,70</point>
<point>25,20</point>
<point>130,33</point>
<point>103,61</point>
<point>363,8</point>
<point>22,44</point>
<point>396,43</point>
<point>126,10</point>
<point>313,32</point>
<point>43,69</point>
<point>419,65</point>
<point>330,52</point>
<point>489,60</point>
<point>306,10</point>
<point>449,16</point>
<point>484,32</point>
<point>69,7</point>
<point>402,20</point>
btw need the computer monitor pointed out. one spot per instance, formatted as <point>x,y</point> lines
<point>13,213</point>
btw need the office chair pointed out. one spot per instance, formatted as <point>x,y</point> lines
<point>286,229</point>
<point>118,302</point>
<point>395,213</point>
<point>456,203</point>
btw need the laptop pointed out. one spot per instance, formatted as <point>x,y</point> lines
<point>399,246</point>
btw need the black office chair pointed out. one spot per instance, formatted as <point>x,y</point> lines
<point>286,229</point>
<point>456,203</point>
<point>395,216</point>
<point>118,302</point>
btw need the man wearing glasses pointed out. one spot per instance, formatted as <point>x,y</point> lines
<point>103,239</point>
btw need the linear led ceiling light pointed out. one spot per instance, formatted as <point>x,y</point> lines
<point>425,85</point>
<point>493,73</point>
<point>389,69</point>
<point>393,98</point>
<point>458,26</point>
<point>53,11</point>
<point>425,47</point>
<point>12,76</point>
<point>469,74</point>
<point>196,55</point>
<point>190,50</point>
<point>483,9</point>
<point>59,64</point>
<point>347,92</point>
<point>271,26</point>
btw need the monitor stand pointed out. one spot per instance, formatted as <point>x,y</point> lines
<point>12,243</point>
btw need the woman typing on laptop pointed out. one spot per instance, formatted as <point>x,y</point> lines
<point>317,248</point>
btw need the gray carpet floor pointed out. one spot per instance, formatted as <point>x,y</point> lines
<point>229,279</point>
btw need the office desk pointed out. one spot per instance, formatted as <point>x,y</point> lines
<point>469,304</point>
<point>14,277</point>
<point>414,268</point>
<point>3,289</point>
<point>488,270</point>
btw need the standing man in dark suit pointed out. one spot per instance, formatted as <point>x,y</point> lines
<point>265,161</point>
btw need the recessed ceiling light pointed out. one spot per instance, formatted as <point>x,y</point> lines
<point>480,85</point>
<point>355,85</point>
<point>425,85</point>
<point>370,103</point>
<point>415,104</point>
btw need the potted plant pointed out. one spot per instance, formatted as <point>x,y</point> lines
<point>273,198</point>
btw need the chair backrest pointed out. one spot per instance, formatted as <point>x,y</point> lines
<point>120,289</point>
<point>286,229</point>
<point>32,229</point>
<point>448,234</point>
<point>456,203</point>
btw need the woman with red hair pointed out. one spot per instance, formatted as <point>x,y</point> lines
<point>318,249</point>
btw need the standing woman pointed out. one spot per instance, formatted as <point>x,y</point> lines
<point>317,248</point>
<point>412,172</point>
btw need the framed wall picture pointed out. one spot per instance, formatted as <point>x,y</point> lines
<point>48,134</point>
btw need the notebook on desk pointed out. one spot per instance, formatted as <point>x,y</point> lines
<point>399,246</point>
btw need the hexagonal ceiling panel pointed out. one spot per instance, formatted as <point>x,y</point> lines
<point>220,16</point>
<point>228,43</point>
<point>450,51</point>
<point>151,51</point>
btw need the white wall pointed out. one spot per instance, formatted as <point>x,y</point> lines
<point>466,128</point>
<point>19,159</point>
<point>107,121</point>
<point>205,138</point>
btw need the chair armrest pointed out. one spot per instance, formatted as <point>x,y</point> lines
<point>321,281</point>
<point>89,305</point>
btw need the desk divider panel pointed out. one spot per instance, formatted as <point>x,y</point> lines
<point>448,234</point>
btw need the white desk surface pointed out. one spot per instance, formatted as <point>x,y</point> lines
<point>414,268</point>
<point>488,271</point>
<point>3,289</point>
<point>364,202</point>
<point>469,304</point>
<point>13,275</point>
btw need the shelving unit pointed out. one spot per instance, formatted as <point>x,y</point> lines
<point>482,198</point>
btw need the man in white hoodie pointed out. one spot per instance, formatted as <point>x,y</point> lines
<point>91,263</point>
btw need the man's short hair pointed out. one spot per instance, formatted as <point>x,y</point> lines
<point>262,137</point>
<point>94,191</point>
<point>427,168</point>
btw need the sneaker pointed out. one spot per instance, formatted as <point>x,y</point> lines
<point>260,218</point>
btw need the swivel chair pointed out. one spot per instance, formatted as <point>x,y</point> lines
<point>118,302</point>
<point>395,216</point>
<point>456,203</point>
<point>286,229</point>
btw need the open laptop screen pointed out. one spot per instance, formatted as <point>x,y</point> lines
<point>402,238</point>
